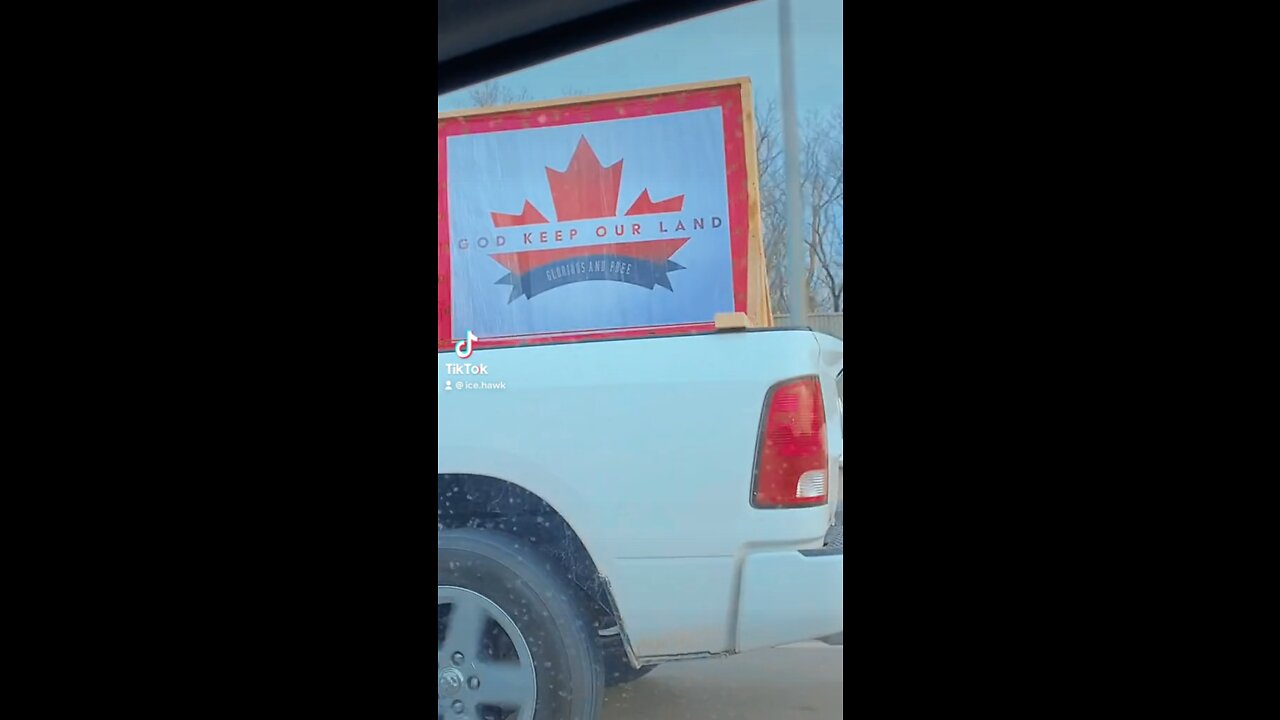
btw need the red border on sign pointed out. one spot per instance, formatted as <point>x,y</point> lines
<point>728,98</point>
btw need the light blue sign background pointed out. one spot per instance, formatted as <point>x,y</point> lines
<point>679,153</point>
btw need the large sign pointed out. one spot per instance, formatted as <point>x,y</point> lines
<point>601,217</point>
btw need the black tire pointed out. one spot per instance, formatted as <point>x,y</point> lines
<point>546,609</point>
<point>617,668</point>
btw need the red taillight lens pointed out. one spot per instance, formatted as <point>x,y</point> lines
<point>791,462</point>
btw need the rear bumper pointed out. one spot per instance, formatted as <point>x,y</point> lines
<point>792,596</point>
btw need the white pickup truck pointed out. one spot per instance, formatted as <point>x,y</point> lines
<point>604,507</point>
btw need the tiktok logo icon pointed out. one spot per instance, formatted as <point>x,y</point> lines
<point>464,354</point>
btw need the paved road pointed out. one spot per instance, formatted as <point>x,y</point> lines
<point>791,683</point>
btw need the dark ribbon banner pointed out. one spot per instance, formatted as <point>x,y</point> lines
<point>619,268</point>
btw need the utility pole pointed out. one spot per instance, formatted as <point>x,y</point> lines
<point>798,295</point>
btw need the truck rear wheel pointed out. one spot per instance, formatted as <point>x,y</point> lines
<point>513,639</point>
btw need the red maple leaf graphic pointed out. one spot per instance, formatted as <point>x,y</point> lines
<point>586,190</point>
<point>644,206</point>
<point>528,216</point>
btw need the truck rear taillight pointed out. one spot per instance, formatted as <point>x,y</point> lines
<point>791,462</point>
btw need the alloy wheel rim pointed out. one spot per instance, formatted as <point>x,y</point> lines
<point>484,670</point>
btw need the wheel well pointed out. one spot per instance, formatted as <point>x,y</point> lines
<point>478,501</point>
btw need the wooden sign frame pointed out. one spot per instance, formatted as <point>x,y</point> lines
<point>733,97</point>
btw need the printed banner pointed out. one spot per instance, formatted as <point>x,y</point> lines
<point>570,227</point>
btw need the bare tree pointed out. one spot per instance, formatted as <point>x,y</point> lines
<point>837,124</point>
<point>823,186</point>
<point>494,93</point>
<point>822,189</point>
<point>773,201</point>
